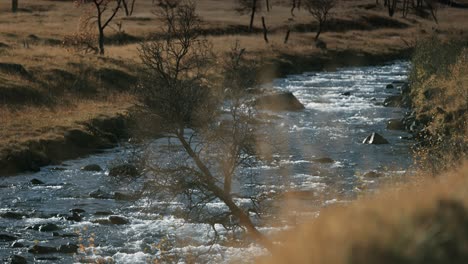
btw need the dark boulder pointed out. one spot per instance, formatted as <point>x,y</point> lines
<point>74,217</point>
<point>36,249</point>
<point>389,86</point>
<point>49,227</point>
<point>395,124</point>
<point>103,213</point>
<point>346,93</point>
<point>17,259</point>
<point>324,160</point>
<point>36,182</point>
<point>127,170</point>
<point>125,196</point>
<point>118,220</point>
<point>394,101</point>
<point>375,139</point>
<point>101,221</point>
<point>68,249</point>
<point>13,215</point>
<point>92,167</point>
<point>57,234</point>
<point>98,194</point>
<point>373,174</point>
<point>7,238</point>
<point>284,101</point>
<point>17,244</point>
<point>77,210</point>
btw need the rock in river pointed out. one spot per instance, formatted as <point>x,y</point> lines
<point>36,182</point>
<point>324,160</point>
<point>373,174</point>
<point>7,238</point>
<point>92,167</point>
<point>118,220</point>
<point>127,170</point>
<point>17,259</point>
<point>375,139</point>
<point>13,215</point>
<point>98,194</point>
<point>68,249</point>
<point>283,101</point>
<point>36,249</point>
<point>395,124</point>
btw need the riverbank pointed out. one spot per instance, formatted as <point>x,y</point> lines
<point>47,89</point>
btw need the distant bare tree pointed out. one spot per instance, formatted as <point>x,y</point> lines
<point>129,6</point>
<point>252,6</point>
<point>320,10</point>
<point>102,7</point>
<point>391,6</point>
<point>295,4</point>
<point>175,87</point>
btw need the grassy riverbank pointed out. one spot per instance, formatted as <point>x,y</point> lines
<point>46,89</point>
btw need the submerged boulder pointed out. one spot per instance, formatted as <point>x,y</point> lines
<point>323,160</point>
<point>7,238</point>
<point>127,170</point>
<point>36,249</point>
<point>99,194</point>
<point>92,167</point>
<point>373,174</point>
<point>36,182</point>
<point>17,259</point>
<point>283,101</point>
<point>68,249</point>
<point>395,124</point>
<point>118,220</point>
<point>375,139</point>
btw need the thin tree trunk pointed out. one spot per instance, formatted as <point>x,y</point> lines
<point>209,180</point>
<point>265,30</point>
<point>286,38</point>
<point>267,5</point>
<point>14,6</point>
<point>101,41</point>
<point>319,30</point>
<point>293,7</point>
<point>252,16</point>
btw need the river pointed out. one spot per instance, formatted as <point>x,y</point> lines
<point>332,126</point>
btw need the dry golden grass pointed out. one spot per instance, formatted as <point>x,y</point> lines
<point>38,123</point>
<point>400,225</point>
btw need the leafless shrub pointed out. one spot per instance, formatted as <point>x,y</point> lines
<point>210,130</point>
<point>320,10</point>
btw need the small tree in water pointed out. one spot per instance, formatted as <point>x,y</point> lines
<point>213,127</point>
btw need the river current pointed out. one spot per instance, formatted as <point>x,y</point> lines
<point>321,152</point>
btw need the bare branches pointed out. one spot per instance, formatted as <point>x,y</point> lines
<point>320,10</point>
<point>213,126</point>
<point>105,12</point>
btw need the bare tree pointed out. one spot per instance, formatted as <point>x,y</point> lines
<point>251,6</point>
<point>105,12</point>
<point>14,6</point>
<point>391,7</point>
<point>320,10</point>
<point>129,6</point>
<point>211,142</point>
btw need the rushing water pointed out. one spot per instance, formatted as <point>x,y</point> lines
<point>332,125</point>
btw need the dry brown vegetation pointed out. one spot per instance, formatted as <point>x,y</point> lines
<point>421,222</point>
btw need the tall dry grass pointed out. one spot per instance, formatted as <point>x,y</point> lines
<point>423,222</point>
